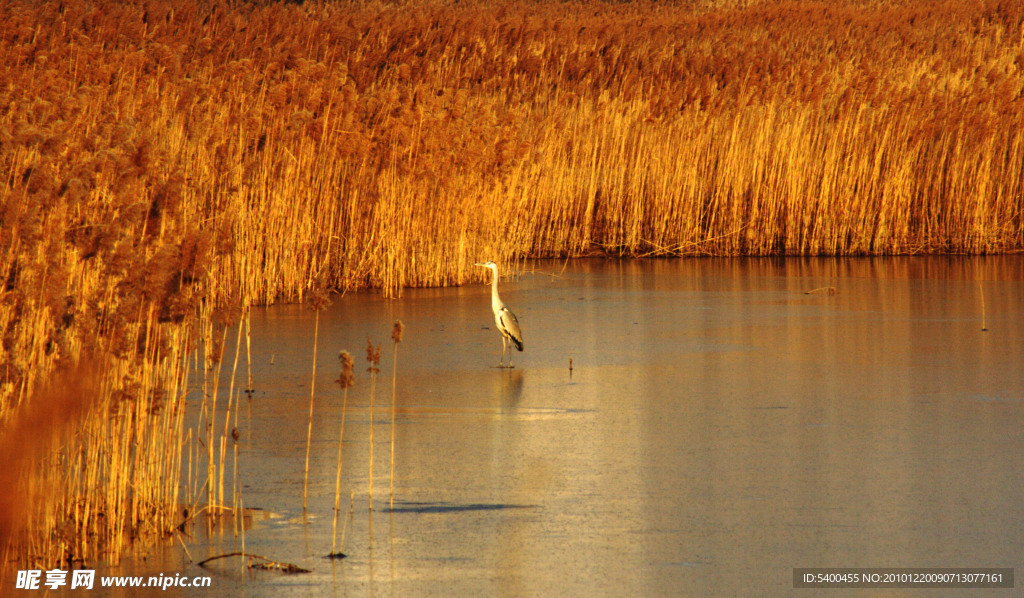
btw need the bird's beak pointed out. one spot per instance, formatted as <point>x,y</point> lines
<point>478,264</point>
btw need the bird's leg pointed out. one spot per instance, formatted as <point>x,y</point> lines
<point>504,342</point>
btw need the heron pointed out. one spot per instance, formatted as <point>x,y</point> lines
<point>507,323</point>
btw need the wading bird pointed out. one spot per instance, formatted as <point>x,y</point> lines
<point>507,323</point>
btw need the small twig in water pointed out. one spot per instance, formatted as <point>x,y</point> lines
<point>185,548</point>
<point>823,290</point>
<point>981,293</point>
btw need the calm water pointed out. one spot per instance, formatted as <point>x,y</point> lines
<point>719,428</point>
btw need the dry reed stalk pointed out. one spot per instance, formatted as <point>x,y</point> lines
<point>241,505</point>
<point>396,336</point>
<point>235,494</point>
<point>309,428</point>
<point>319,302</point>
<point>344,526</point>
<point>373,358</point>
<point>248,350</point>
<point>232,397</point>
<point>345,380</point>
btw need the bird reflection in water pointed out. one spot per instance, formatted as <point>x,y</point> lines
<point>510,389</point>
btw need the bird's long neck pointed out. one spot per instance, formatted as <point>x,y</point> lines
<point>495,299</point>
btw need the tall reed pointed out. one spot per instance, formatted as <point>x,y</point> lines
<point>344,381</point>
<point>318,302</point>
<point>396,336</point>
<point>373,358</point>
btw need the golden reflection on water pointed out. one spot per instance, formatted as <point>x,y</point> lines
<point>720,427</point>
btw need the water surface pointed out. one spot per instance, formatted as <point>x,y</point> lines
<point>719,427</point>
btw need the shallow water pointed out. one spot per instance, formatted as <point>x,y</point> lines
<point>719,427</point>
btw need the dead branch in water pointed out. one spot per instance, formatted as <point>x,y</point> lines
<point>266,564</point>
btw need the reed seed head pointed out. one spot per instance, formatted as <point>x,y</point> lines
<point>319,299</point>
<point>345,379</point>
<point>372,356</point>
<point>396,331</point>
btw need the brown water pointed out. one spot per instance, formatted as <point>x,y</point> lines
<point>719,428</point>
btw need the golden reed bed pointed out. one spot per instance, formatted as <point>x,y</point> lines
<point>166,164</point>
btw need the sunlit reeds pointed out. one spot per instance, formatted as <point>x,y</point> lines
<point>408,138</point>
<point>159,163</point>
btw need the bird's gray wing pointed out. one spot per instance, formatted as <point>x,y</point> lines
<point>510,326</point>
